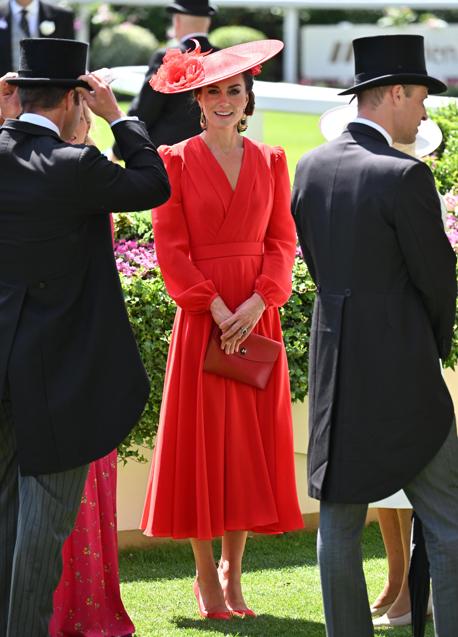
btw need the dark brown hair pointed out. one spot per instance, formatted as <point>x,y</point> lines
<point>44,97</point>
<point>375,96</point>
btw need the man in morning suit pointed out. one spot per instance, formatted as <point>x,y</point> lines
<point>381,417</point>
<point>72,384</point>
<point>30,19</point>
<point>172,118</point>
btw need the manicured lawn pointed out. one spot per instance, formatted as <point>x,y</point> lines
<point>296,133</point>
<point>281,583</point>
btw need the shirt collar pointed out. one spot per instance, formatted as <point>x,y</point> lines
<point>32,8</point>
<point>39,120</point>
<point>380,129</point>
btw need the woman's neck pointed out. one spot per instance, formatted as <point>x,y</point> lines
<point>224,140</point>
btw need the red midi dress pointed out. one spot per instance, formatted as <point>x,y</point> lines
<point>224,457</point>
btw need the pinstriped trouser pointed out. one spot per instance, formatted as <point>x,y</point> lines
<point>434,496</point>
<point>37,513</point>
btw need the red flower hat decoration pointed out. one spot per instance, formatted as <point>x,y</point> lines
<point>179,70</point>
<point>256,70</point>
<point>192,70</point>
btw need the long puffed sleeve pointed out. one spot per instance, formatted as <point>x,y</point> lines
<point>184,281</point>
<point>274,284</point>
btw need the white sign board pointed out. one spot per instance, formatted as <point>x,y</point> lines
<point>327,52</point>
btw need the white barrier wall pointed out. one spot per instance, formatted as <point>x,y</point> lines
<point>327,51</point>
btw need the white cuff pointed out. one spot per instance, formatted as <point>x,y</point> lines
<point>123,119</point>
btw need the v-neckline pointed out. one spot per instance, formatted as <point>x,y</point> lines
<point>221,169</point>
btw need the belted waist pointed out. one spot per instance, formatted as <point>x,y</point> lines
<point>218,250</point>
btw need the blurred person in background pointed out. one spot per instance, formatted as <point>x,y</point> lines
<point>170,119</point>
<point>30,19</point>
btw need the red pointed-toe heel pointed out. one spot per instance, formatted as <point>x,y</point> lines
<point>247,612</point>
<point>204,613</point>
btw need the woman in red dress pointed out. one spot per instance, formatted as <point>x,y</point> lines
<point>87,601</point>
<point>224,461</point>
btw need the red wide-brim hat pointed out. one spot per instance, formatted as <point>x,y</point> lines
<point>191,70</point>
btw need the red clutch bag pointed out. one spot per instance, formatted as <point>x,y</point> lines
<point>252,364</point>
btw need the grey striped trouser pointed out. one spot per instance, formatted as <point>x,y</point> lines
<point>37,513</point>
<point>434,496</point>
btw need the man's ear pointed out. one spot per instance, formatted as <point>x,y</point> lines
<point>68,99</point>
<point>397,93</point>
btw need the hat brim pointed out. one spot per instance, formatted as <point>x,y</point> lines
<point>335,120</point>
<point>434,86</point>
<point>175,7</point>
<point>229,62</point>
<point>46,81</point>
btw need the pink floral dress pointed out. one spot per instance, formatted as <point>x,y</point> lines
<point>87,601</point>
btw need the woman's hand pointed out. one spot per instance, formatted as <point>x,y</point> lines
<point>219,310</point>
<point>237,327</point>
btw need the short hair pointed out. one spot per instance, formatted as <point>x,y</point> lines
<point>372,96</point>
<point>44,97</point>
<point>375,96</point>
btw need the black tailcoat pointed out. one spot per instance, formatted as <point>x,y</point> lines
<point>62,18</point>
<point>369,223</point>
<point>169,119</point>
<point>67,351</point>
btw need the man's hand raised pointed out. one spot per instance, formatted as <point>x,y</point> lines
<point>100,98</point>
<point>9,98</point>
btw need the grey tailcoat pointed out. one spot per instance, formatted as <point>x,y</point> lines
<point>369,223</point>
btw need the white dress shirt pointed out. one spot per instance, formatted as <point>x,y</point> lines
<point>40,120</point>
<point>33,10</point>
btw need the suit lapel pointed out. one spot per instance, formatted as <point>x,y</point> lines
<point>5,37</point>
<point>45,13</point>
<point>42,15</point>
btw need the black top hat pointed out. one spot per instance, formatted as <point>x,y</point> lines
<point>192,7</point>
<point>382,60</point>
<point>51,62</point>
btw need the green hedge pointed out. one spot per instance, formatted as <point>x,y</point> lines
<point>444,165</point>
<point>151,313</point>
<point>122,45</point>
<point>224,37</point>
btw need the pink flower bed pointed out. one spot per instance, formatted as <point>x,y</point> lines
<point>451,225</point>
<point>135,259</point>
